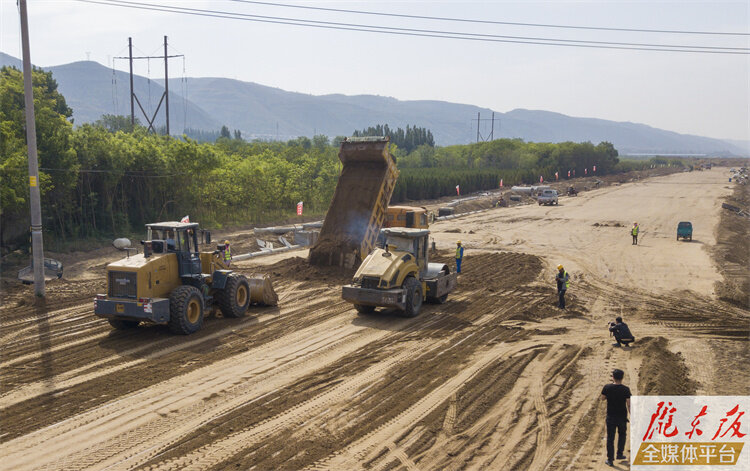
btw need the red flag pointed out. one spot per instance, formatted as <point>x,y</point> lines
<point>541,179</point>
<point>594,168</point>
<point>185,219</point>
<point>501,183</point>
<point>458,190</point>
<point>299,208</point>
<point>556,176</point>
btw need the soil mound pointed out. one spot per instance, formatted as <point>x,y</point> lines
<point>299,269</point>
<point>663,372</point>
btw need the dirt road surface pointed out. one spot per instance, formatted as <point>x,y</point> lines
<point>496,378</point>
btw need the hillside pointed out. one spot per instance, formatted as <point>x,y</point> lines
<point>259,111</point>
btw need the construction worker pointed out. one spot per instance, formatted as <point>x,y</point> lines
<point>459,256</point>
<point>617,396</point>
<point>621,332</point>
<point>634,233</point>
<point>563,281</point>
<point>227,253</point>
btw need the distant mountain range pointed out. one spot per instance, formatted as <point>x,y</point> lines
<point>259,111</point>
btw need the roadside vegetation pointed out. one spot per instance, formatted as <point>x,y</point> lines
<point>109,178</point>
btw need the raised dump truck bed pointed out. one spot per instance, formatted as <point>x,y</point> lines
<point>358,209</point>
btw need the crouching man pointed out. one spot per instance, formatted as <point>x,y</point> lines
<point>621,332</point>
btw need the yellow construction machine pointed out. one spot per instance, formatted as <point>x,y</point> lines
<point>407,216</point>
<point>173,283</point>
<point>399,275</point>
<point>358,209</point>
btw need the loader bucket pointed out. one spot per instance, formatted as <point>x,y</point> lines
<point>261,290</point>
<point>359,204</point>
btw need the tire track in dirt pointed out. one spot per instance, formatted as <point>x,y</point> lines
<point>91,391</point>
<point>369,447</point>
<point>220,450</point>
<point>423,331</point>
<point>147,346</point>
<point>122,426</point>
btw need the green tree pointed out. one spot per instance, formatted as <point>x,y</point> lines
<point>116,122</point>
<point>225,133</point>
<point>58,167</point>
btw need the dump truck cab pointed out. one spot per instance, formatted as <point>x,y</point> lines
<point>398,275</point>
<point>171,282</point>
<point>407,216</point>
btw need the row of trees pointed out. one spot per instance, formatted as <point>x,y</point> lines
<point>406,140</point>
<point>109,178</point>
<point>96,181</point>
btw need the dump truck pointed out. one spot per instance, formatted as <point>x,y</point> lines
<point>173,283</point>
<point>360,201</point>
<point>399,275</point>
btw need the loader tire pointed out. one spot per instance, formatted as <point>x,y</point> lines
<point>185,310</point>
<point>234,299</point>
<point>364,309</point>
<point>413,297</point>
<point>122,324</point>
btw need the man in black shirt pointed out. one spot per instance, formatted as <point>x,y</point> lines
<point>621,332</point>
<point>617,396</point>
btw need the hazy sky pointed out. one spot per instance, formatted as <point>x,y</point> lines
<point>703,94</point>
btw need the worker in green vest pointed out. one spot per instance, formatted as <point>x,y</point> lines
<point>459,256</point>
<point>634,233</point>
<point>227,253</point>
<point>563,281</point>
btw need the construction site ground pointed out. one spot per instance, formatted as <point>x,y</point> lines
<point>496,378</point>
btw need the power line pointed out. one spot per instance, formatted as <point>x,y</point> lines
<point>491,22</point>
<point>423,33</point>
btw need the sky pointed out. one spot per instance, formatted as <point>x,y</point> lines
<point>692,93</point>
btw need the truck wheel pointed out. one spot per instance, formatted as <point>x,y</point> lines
<point>413,297</point>
<point>364,309</point>
<point>690,238</point>
<point>185,310</point>
<point>121,324</point>
<point>234,299</point>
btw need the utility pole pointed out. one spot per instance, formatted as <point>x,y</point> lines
<point>132,95</point>
<point>37,250</point>
<point>492,133</point>
<point>166,83</point>
<point>478,126</point>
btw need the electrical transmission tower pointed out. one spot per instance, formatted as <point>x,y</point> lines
<point>164,97</point>
<point>491,137</point>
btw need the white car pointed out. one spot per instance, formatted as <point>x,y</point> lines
<point>547,197</point>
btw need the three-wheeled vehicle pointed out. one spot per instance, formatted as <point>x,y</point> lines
<point>685,230</point>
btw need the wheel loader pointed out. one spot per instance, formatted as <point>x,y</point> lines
<point>171,282</point>
<point>398,275</point>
